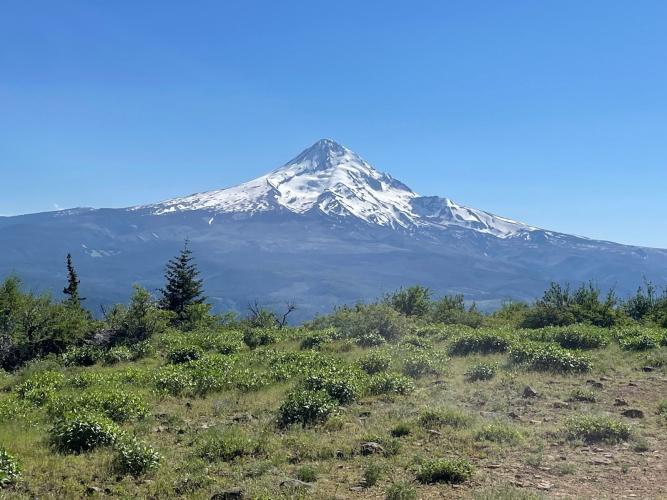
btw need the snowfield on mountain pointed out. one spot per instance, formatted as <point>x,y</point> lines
<point>324,229</point>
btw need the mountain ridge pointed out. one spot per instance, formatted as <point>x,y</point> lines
<point>327,230</point>
<point>336,181</point>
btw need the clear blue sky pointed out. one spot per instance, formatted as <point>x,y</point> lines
<point>550,112</point>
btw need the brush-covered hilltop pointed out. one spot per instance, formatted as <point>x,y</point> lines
<point>413,396</point>
<point>324,229</point>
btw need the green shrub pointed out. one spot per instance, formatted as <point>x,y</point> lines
<point>229,346</point>
<point>184,354</point>
<point>499,432</point>
<point>117,354</point>
<point>412,301</point>
<point>370,339</point>
<point>441,417</point>
<point>174,380</point>
<point>228,445</point>
<point>367,321</point>
<point>593,429</point>
<point>287,365</point>
<point>10,468</point>
<point>135,458</point>
<point>305,408</point>
<point>401,429</point>
<point>141,349</point>
<point>662,408</point>
<point>138,322</point>
<point>307,473</point>
<point>116,404</point>
<point>389,383</point>
<point>375,361</point>
<point>639,338</point>
<point>401,490</point>
<point>41,387</point>
<point>341,385</point>
<point>86,355</point>
<point>442,470</point>
<point>452,310</point>
<point>13,409</point>
<point>78,432</point>
<point>481,371</point>
<point>483,342</point>
<point>549,357</point>
<point>255,337</point>
<point>315,340</point>
<point>416,341</point>
<point>420,364</point>
<point>583,395</point>
<point>372,474</point>
<point>573,336</point>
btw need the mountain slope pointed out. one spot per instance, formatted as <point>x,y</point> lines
<point>330,179</point>
<point>324,229</point>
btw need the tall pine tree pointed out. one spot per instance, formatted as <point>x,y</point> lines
<point>72,288</point>
<point>183,286</point>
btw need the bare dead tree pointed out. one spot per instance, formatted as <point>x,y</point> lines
<point>291,306</point>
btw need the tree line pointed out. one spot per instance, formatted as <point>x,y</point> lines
<point>36,325</point>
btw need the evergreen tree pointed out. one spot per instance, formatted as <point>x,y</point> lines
<point>72,288</point>
<point>183,287</point>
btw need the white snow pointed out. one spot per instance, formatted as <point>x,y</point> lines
<point>336,181</point>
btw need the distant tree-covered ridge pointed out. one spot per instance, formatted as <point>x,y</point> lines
<point>37,325</point>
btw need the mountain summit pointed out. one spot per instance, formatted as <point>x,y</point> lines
<point>332,180</point>
<point>324,229</point>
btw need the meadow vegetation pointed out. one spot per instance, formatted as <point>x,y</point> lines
<point>408,397</point>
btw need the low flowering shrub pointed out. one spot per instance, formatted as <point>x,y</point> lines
<point>85,355</point>
<point>549,357</point>
<point>370,339</point>
<point>594,429</point>
<point>135,457</point>
<point>174,380</point>
<point>375,361</point>
<point>184,353</point>
<point>416,341</point>
<point>78,432</point>
<point>10,468</point>
<point>117,354</point>
<point>639,338</point>
<point>305,407</point>
<point>573,336</point>
<point>316,340</point>
<point>116,404</point>
<point>255,337</point>
<point>419,364</point>
<point>480,341</point>
<point>41,387</point>
<point>341,385</point>
<point>481,371</point>
<point>389,383</point>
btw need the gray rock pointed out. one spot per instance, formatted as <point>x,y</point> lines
<point>371,448</point>
<point>295,484</point>
<point>229,494</point>
<point>633,413</point>
<point>529,392</point>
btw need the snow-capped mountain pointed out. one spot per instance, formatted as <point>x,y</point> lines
<point>331,179</point>
<point>324,229</point>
